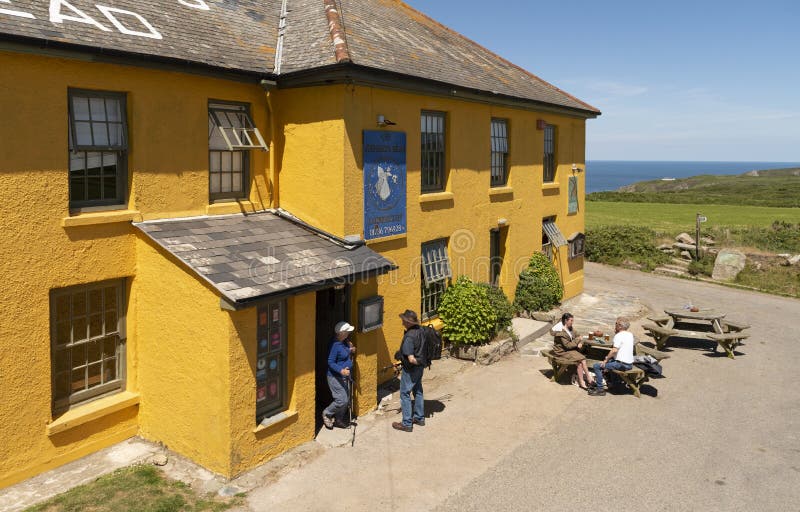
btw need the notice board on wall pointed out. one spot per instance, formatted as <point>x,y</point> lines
<point>384,184</point>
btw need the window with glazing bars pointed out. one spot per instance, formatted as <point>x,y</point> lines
<point>98,144</point>
<point>435,273</point>
<point>271,353</point>
<point>549,163</point>
<point>87,342</point>
<point>229,163</point>
<point>499,137</point>
<point>432,139</point>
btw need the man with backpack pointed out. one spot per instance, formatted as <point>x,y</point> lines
<point>412,358</point>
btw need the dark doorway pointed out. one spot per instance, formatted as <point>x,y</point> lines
<point>333,306</point>
<point>497,245</point>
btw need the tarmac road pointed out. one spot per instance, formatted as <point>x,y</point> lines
<point>719,434</point>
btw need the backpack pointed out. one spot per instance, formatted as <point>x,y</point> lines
<point>431,344</point>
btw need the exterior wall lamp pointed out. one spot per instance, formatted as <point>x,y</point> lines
<point>382,121</point>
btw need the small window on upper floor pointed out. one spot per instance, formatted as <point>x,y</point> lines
<point>98,144</point>
<point>231,134</point>
<point>499,139</point>
<point>549,162</point>
<point>432,149</point>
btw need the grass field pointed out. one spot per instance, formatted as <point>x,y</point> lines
<point>776,188</point>
<point>675,218</point>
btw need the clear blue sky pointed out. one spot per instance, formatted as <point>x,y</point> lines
<point>678,80</point>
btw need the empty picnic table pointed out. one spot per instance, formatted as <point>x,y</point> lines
<point>681,315</point>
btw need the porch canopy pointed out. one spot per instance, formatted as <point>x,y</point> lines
<point>251,257</point>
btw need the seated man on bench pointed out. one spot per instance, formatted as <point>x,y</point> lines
<point>620,357</point>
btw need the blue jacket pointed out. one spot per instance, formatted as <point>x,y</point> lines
<point>338,357</point>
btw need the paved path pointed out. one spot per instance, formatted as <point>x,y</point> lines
<point>720,434</point>
<point>716,434</point>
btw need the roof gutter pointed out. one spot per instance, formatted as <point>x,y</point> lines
<point>228,305</point>
<point>350,73</point>
<point>347,244</point>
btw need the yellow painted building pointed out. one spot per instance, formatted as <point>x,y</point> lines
<point>146,246</point>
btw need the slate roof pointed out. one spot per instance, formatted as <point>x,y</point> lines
<point>252,257</point>
<point>244,35</point>
<point>389,35</point>
<point>231,34</point>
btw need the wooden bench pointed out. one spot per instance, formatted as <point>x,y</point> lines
<point>559,365</point>
<point>731,326</point>
<point>659,334</point>
<point>635,377</point>
<point>661,321</point>
<point>728,341</point>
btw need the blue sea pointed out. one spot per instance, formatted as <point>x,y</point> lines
<point>612,174</point>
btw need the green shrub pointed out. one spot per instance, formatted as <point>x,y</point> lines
<point>539,287</point>
<point>703,266</point>
<point>781,236</point>
<point>615,244</point>
<point>501,305</point>
<point>467,312</point>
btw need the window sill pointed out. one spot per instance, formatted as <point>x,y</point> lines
<point>273,420</point>
<point>433,197</point>
<point>228,207</point>
<point>501,191</point>
<point>103,217</point>
<point>386,239</point>
<point>92,411</point>
<point>551,185</point>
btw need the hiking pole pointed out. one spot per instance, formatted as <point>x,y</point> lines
<point>352,378</point>
<point>353,424</point>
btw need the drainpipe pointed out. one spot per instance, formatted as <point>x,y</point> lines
<point>272,186</point>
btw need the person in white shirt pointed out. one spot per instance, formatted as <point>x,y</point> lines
<point>620,357</point>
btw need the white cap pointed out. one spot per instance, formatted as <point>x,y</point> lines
<point>343,327</point>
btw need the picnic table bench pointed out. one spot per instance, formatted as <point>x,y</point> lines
<point>728,341</point>
<point>731,326</point>
<point>633,378</point>
<point>659,333</point>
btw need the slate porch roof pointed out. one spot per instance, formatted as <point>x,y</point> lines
<point>246,36</point>
<point>251,257</point>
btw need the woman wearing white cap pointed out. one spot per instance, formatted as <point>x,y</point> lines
<point>339,366</point>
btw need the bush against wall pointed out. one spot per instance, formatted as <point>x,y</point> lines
<point>467,312</point>
<point>502,306</point>
<point>615,244</point>
<point>539,287</point>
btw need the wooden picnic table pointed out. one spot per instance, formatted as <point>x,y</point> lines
<point>682,315</point>
<point>595,351</point>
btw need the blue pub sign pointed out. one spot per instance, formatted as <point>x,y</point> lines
<point>384,184</point>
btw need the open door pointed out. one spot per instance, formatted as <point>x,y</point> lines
<point>332,307</point>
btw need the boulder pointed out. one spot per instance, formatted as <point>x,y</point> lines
<point>686,255</point>
<point>665,247</point>
<point>684,238</point>
<point>543,317</point>
<point>684,247</point>
<point>784,255</point>
<point>707,240</point>
<point>794,260</point>
<point>728,264</point>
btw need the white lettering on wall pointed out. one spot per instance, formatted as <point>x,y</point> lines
<point>57,17</point>
<point>16,13</point>
<point>110,14</point>
<point>195,4</point>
